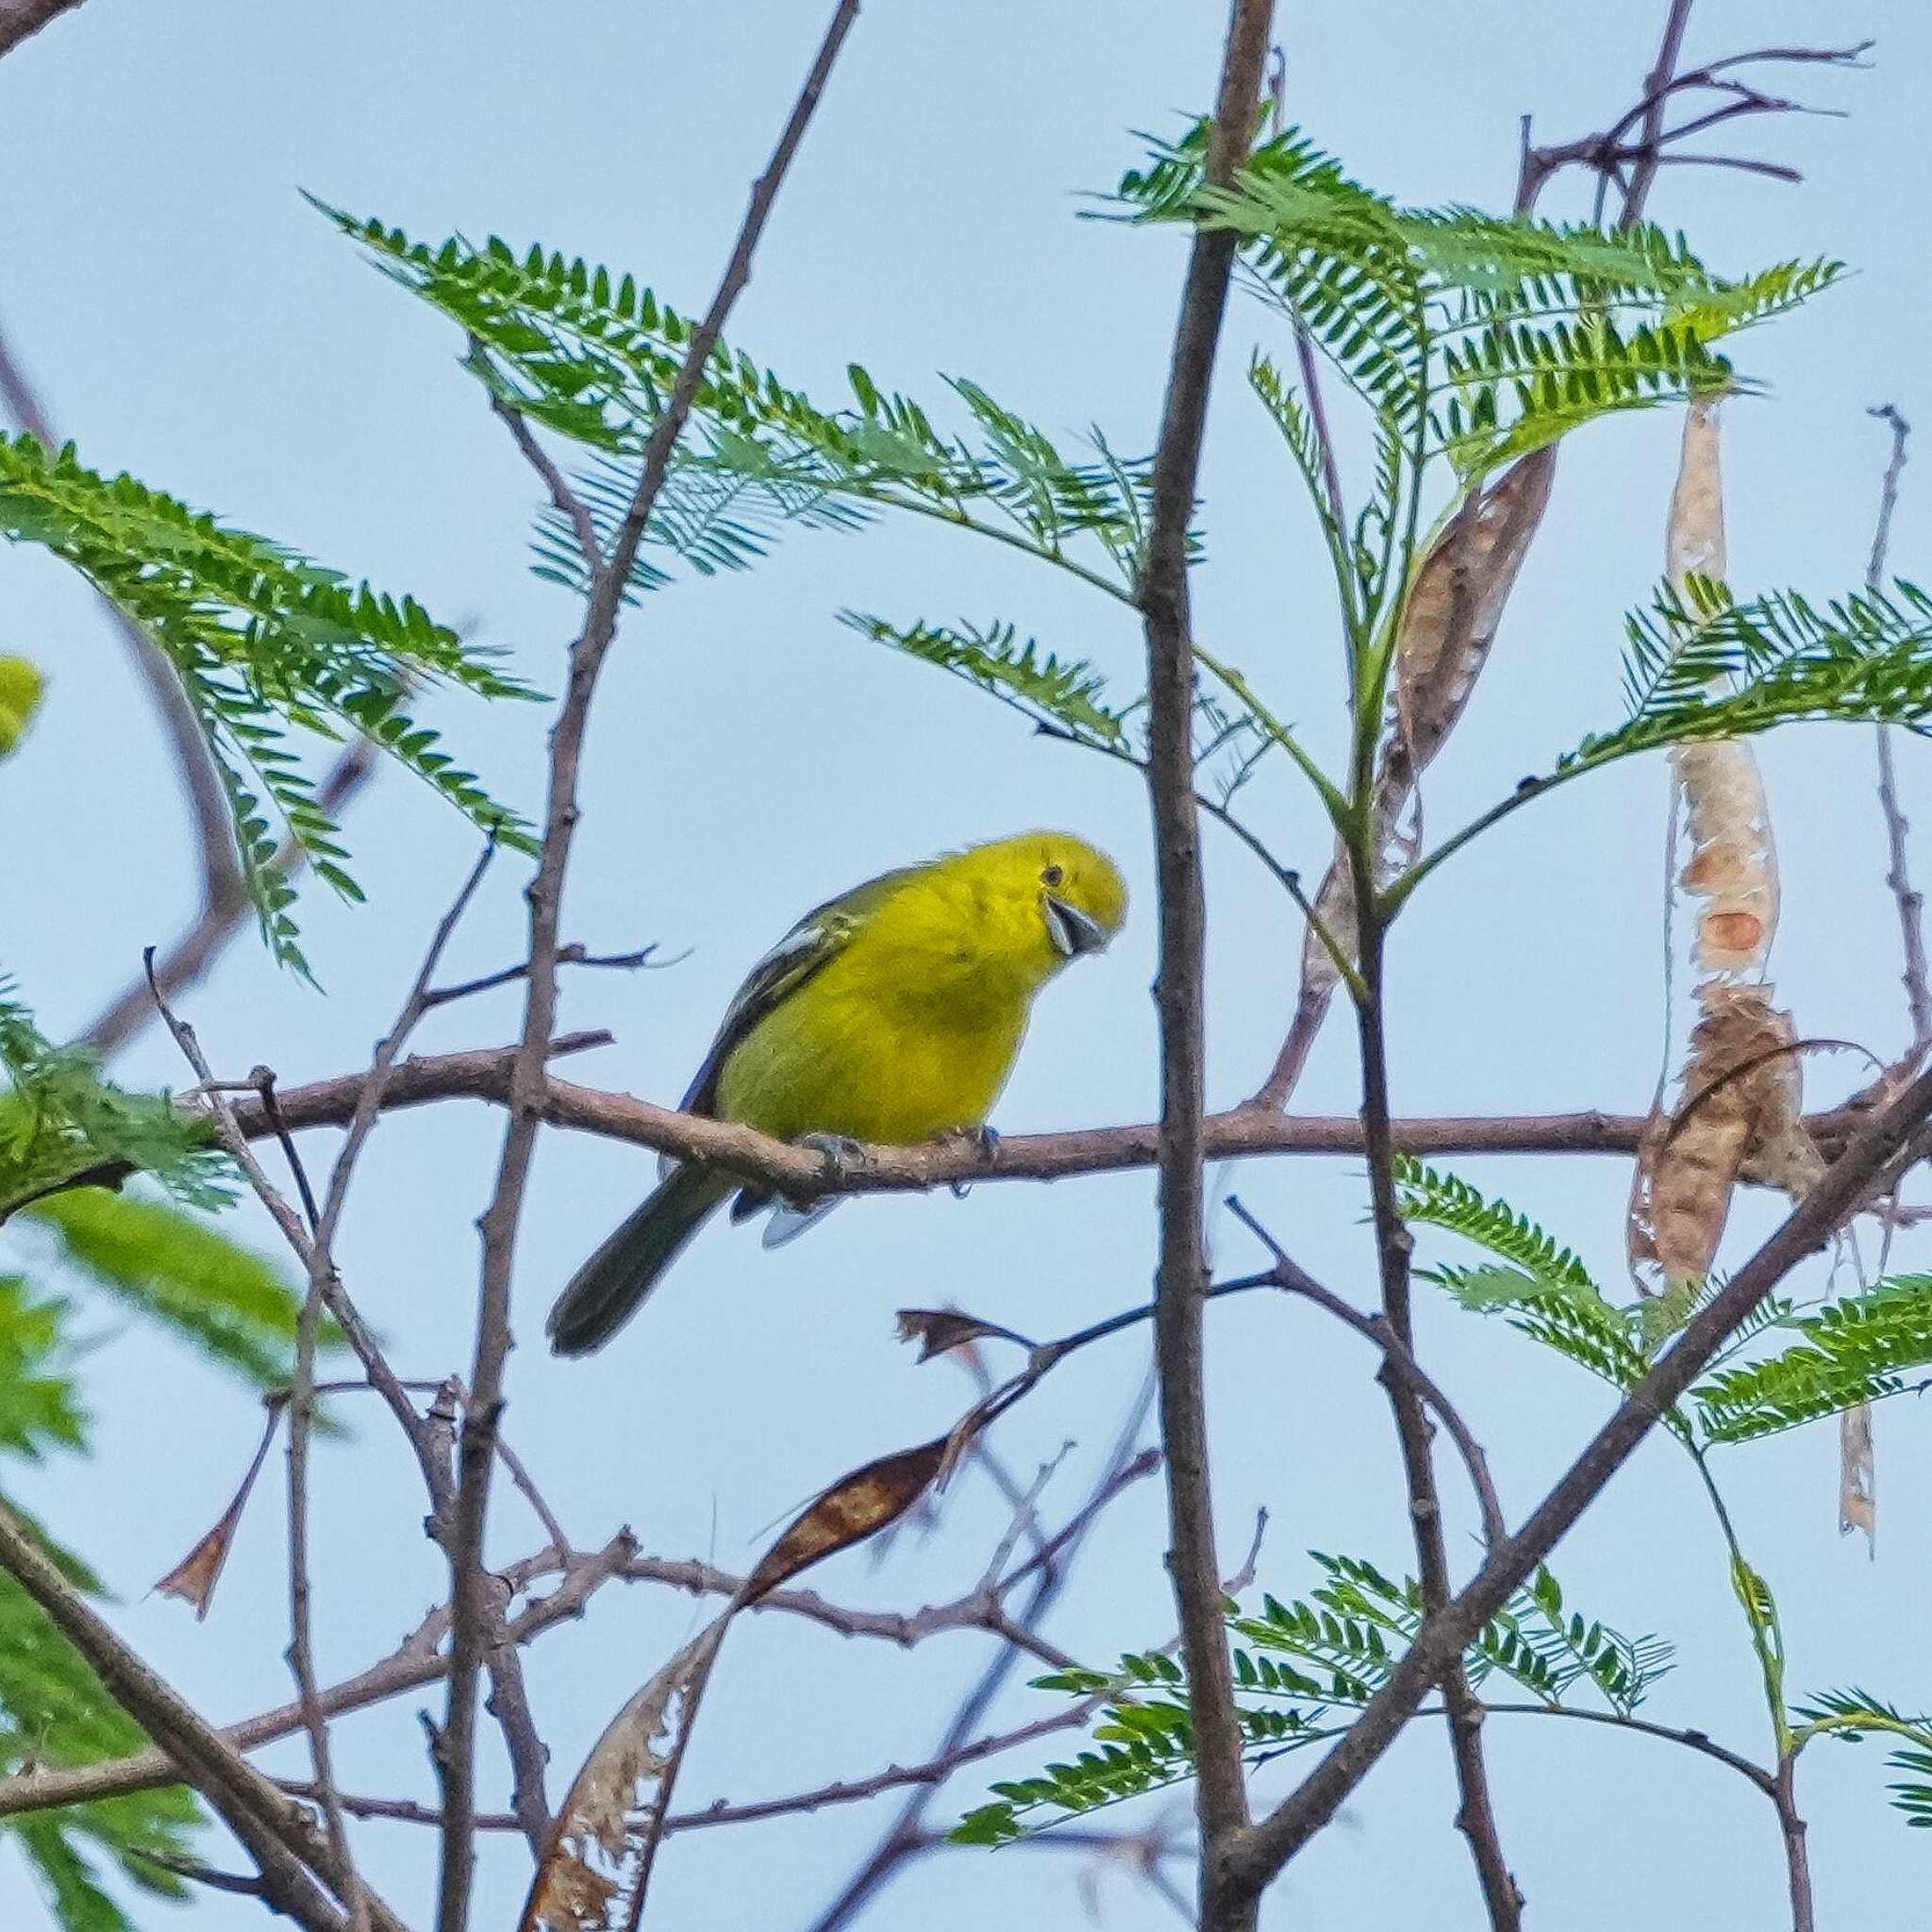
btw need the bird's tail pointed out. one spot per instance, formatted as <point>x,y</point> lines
<point>610,1287</point>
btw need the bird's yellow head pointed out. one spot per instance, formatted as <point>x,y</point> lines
<point>1057,896</point>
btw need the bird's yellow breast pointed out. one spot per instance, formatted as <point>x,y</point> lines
<point>909,1031</point>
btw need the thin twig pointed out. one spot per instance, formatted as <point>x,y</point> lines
<point>961,1742</point>
<point>184,962</point>
<point>1304,342</point>
<point>563,499</point>
<point>1294,1279</point>
<point>476,1454</point>
<point>421,1659</point>
<point>572,954</point>
<point>1909,901</point>
<point>323,1287</point>
<point>221,871</point>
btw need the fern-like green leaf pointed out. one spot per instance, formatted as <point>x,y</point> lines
<point>1701,666</point>
<point>1300,1666</point>
<point>1067,696</point>
<point>59,1119</point>
<point>592,356</point>
<point>1545,1292</point>
<point>53,1709</point>
<point>1852,1351</point>
<point>1473,337</point>
<point>260,640</point>
<point>177,1270</point>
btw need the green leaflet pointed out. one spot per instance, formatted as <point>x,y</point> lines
<point>1851,1351</point>
<point>1545,1291</point>
<point>60,1118</point>
<point>1473,337</point>
<point>1701,666</point>
<point>1067,695</point>
<point>1325,1655</point>
<point>178,1271</point>
<point>592,356</point>
<point>261,639</point>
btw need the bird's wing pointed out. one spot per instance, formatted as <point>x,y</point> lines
<point>806,951</point>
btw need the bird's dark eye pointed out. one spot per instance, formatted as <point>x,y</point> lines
<point>1053,875</point>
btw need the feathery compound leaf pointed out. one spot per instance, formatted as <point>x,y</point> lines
<point>1700,666</point>
<point>592,356</point>
<point>1485,337</point>
<point>1327,1655</point>
<point>1852,1351</point>
<point>54,1711</point>
<point>1853,1715</point>
<point>178,1271</point>
<point>1064,696</point>
<point>260,640</point>
<point>1545,1293</point>
<point>714,514</point>
<point>59,1119</point>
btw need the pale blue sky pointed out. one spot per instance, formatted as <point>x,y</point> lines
<point>189,319</point>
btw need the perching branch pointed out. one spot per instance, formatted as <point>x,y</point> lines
<point>800,1172</point>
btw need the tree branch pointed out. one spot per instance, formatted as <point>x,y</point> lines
<point>275,1829</point>
<point>182,964</point>
<point>221,871</point>
<point>1162,593</point>
<point>1289,1276</point>
<point>476,1456</point>
<point>20,17</point>
<point>1240,1132</point>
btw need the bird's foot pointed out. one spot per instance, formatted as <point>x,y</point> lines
<point>983,1140</point>
<point>842,1156</point>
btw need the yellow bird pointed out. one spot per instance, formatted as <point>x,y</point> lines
<point>891,1014</point>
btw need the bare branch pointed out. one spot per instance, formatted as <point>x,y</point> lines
<point>1909,899</point>
<point>563,499</point>
<point>182,964</point>
<point>1239,1133</point>
<point>20,17</point>
<point>1293,1278</point>
<point>962,1742</point>
<point>1162,593</point>
<point>275,1829</point>
<point>476,1453</point>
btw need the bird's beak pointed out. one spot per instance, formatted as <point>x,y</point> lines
<point>1072,931</point>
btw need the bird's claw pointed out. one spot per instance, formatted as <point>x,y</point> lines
<point>984,1141</point>
<point>843,1156</point>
